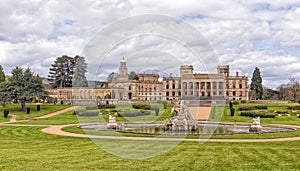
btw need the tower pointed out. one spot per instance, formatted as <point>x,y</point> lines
<point>122,75</point>
<point>224,69</point>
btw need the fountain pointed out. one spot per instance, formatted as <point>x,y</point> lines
<point>255,126</point>
<point>181,120</point>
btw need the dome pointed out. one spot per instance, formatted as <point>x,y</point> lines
<point>123,60</point>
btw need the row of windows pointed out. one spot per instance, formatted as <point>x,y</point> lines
<point>150,94</point>
<point>234,86</point>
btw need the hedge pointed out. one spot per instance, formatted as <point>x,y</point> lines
<point>254,114</point>
<point>252,107</point>
<point>294,107</point>
<point>87,113</point>
<point>91,107</point>
<point>106,106</point>
<point>134,113</point>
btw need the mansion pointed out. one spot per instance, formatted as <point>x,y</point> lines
<point>150,87</point>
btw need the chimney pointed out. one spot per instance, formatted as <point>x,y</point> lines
<point>237,74</point>
<point>170,74</point>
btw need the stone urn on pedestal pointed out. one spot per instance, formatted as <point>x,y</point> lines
<point>112,124</point>
<point>255,126</point>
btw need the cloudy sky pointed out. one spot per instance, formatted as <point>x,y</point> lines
<point>243,34</point>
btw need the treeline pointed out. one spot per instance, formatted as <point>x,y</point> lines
<point>289,91</point>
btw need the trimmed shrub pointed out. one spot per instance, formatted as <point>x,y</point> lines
<point>243,101</point>
<point>245,108</point>
<point>261,107</point>
<point>254,114</point>
<point>5,113</point>
<point>106,106</point>
<point>134,113</point>
<point>232,111</point>
<point>38,107</point>
<point>253,107</point>
<point>62,102</point>
<point>281,112</point>
<point>88,113</point>
<point>156,111</point>
<point>230,104</point>
<point>165,104</point>
<point>294,107</point>
<point>91,107</point>
<point>236,102</point>
<point>28,110</point>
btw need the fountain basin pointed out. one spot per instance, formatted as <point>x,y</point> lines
<point>205,128</point>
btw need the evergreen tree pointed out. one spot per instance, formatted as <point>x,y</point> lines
<point>61,72</point>
<point>21,87</point>
<point>133,76</point>
<point>256,85</point>
<point>80,66</point>
<point>2,75</point>
<point>67,69</point>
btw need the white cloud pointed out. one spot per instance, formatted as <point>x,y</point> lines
<point>244,33</point>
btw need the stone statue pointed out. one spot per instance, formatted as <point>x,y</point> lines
<point>112,124</point>
<point>255,126</point>
<point>181,120</point>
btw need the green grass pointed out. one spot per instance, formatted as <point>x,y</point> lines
<point>16,110</point>
<point>291,120</point>
<point>27,148</point>
<point>61,119</point>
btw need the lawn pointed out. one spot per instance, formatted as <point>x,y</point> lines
<point>291,120</point>
<point>27,148</point>
<point>16,110</point>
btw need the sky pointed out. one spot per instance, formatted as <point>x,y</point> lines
<point>243,34</point>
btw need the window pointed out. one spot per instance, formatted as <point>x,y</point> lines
<point>190,85</point>
<point>208,85</point>
<point>241,86</point>
<point>233,85</point>
<point>214,85</point>
<point>208,94</point>
<point>233,93</point>
<point>202,93</point>
<point>214,93</point>
<point>185,85</point>
<point>202,85</point>
<point>167,93</point>
<point>220,85</point>
<point>227,93</point>
<point>173,86</point>
<point>173,93</point>
<point>167,86</point>
<point>241,93</point>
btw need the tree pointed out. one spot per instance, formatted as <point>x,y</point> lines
<point>133,76</point>
<point>2,75</point>
<point>80,66</point>
<point>22,86</point>
<point>256,85</point>
<point>61,72</point>
<point>111,77</point>
<point>65,70</point>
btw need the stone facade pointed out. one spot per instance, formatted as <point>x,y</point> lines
<point>148,87</point>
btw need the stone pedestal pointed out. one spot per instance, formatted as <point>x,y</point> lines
<point>255,126</point>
